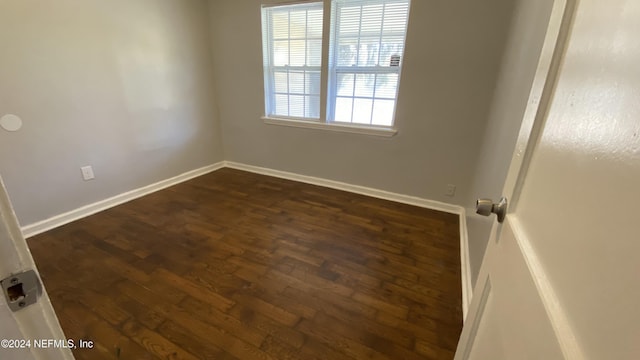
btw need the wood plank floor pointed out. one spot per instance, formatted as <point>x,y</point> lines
<point>234,265</point>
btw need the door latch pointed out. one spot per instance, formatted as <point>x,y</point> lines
<point>21,290</point>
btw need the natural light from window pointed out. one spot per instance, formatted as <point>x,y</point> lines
<point>293,55</point>
<point>366,43</point>
<point>366,52</point>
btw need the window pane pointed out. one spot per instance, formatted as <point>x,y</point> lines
<point>345,84</point>
<point>366,48</point>
<point>280,82</point>
<point>349,20</point>
<point>312,82</point>
<point>365,84</point>
<point>368,54</point>
<point>280,24</point>
<point>362,111</point>
<point>281,53</point>
<point>395,18</point>
<point>292,47</point>
<point>298,53</point>
<point>347,52</point>
<point>296,106</point>
<point>313,107</point>
<point>343,109</point>
<point>314,52</point>
<point>383,112</point>
<point>386,85</point>
<point>371,19</point>
<point>390,46</point>
<point>298,24</point>
<point>282,105</point>
<point>314,24</point>
<point>296,82</point>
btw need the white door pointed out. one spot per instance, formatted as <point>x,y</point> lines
<point>561,276</point>
<point>22,332</point>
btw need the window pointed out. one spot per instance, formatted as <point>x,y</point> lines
<point>292,41</point>
<point>366,47</point>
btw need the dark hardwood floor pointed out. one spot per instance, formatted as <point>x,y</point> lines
<point>234,265</point>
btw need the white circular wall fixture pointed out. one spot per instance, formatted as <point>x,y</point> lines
<point>11,122</point>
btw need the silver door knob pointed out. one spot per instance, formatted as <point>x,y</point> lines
<point>486,207</point>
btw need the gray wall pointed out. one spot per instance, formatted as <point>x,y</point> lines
<point>125,86</point>
<point>518,68</point>
<point>450,69</point>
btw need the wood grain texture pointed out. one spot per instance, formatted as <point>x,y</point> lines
<point>234,265</point>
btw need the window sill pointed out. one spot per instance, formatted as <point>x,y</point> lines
<point>339,127</point>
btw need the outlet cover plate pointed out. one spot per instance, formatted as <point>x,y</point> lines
<point>451,190</point>
<point>87,173</point>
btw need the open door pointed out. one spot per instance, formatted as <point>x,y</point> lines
<point>560,276</point>
<point>32,331</point>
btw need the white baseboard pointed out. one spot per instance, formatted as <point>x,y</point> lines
<point>465,265</point>
<point>362,190</point>
<point>79,213</point>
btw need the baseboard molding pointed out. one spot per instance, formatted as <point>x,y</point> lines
<point>362,190</point>
<point>79,213</point>
<point>465,266</point>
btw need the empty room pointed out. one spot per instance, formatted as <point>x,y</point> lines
<point>322,179</point>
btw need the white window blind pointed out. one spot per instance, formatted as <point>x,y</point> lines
<point>366,52</point>
<point>292,50</point>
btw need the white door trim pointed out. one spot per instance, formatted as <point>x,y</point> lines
<point>559,320</point>
<point>542,91</point>
<point>468,338</point>
<point>465,266</point>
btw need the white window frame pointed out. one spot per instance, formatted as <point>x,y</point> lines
<point>270,69</point>
<point>328,74</point>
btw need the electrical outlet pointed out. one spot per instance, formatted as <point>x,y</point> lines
<point>451,190</point>
<point>87,173</point>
